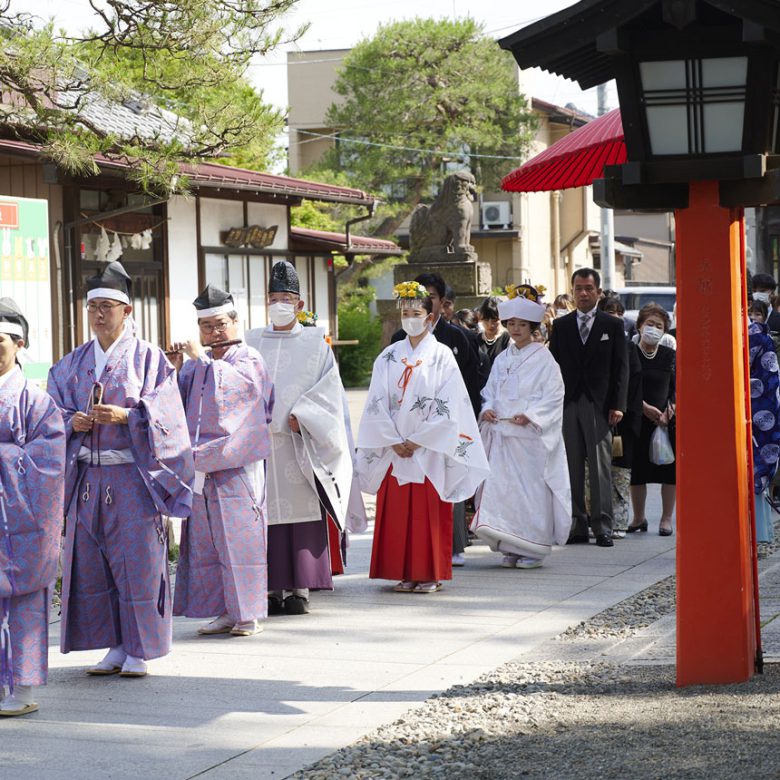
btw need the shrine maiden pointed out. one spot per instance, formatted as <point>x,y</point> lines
<point>32,482</point>
<point>228,398</point>
<point>129,462</point>
<point>419,450</point>
<point>524,507</point>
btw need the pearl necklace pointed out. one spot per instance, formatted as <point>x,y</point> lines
<point>646,354</point>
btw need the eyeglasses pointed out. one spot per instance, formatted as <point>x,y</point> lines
<point>284,299</point>
<point>103,308</point>
<point>209,328</point>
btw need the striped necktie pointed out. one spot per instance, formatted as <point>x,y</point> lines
<point>584,330</point>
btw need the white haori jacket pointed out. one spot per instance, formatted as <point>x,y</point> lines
<point>307,385</point>
<point>524,507</point>
<point>419,395</point>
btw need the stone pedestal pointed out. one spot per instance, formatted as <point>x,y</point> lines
<point>471,280</point>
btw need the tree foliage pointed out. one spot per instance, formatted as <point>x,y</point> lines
<point>419,99</point>
<point>183,61</point>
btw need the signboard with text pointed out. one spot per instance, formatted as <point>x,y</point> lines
<point>25,274</point>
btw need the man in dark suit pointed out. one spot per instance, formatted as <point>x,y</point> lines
<point>590,348</point>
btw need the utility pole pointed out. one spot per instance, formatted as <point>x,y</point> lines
<point>607,219</point>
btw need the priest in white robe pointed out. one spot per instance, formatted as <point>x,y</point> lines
<point>310,501</point>
<point>524,507</point>
<point>419,450</point>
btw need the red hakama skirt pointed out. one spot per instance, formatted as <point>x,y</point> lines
<point>412,533</point>
<point>334,547</point>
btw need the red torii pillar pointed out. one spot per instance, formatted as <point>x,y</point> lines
<point>716,617</point>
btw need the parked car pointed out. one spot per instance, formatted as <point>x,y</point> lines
<point>634,298</point>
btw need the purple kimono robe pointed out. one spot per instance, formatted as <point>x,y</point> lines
<point>115,587</point>
<point>32,471</point>
<point>223,564</point>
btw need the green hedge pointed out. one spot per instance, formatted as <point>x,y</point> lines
<point>355,362</point>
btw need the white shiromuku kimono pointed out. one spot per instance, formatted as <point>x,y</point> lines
<point>524,507</point>
<point>307,385</point>
<point>419,395</point>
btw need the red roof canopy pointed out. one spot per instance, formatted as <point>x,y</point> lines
<point>365,245</point>
<point>574,161</point>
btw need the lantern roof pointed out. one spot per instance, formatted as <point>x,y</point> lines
<point>565,43</point>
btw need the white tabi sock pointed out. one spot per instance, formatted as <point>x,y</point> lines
<point>19,699</point>
<point>133,664</point>
<point>302,592</point>
<point>114,657</point>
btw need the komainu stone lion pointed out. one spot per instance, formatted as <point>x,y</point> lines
<point>443,229</point>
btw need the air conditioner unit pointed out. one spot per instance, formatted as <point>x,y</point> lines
<point>496,214</point>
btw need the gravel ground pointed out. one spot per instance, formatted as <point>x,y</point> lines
<point>560,719</point>
<point>575,720</point>
<point>627,617</point>
<point>643,609</point>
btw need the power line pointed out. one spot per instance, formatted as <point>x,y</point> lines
<point>293,62</point>
<point>516,24</point>
<point>437,152</point>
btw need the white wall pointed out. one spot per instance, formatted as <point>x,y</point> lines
<point>321,293</point>
<point>218,216</point>
<point>266,215</point>
<point>182,266</point>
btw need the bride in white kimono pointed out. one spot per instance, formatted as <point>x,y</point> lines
<point>524,506</point>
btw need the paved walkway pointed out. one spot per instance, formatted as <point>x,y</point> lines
<point>265,706</point>
<point>656,644</point>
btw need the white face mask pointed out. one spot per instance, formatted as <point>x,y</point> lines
<point>651,335</point>
<point>761,296</point>
<point>414,326</point>
<point>281,314</point>
<point>561,312</point>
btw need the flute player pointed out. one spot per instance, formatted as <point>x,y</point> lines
<point>228,397</point>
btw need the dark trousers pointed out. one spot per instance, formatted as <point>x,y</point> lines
<point>587,437</point>
<point>459,533</point>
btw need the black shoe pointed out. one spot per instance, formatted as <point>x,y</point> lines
<point>296,605</point>
<point>632,529</point>
<point>578,539</point>
<point>665,531</point>
<point>275,606</point>
<point>604,540</point>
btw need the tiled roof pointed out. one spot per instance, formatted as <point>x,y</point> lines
<point>338,242</point>
<point>136,117</point>
<point>212,176</point>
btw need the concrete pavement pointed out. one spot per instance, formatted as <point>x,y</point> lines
<point>265,706</point>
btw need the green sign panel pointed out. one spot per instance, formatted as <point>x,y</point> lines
<point>25,274</point>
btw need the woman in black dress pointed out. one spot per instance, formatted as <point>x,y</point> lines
<point>658,393</point>
<point>628,428</point>
<point>493,338</point>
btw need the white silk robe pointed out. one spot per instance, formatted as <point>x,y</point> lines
<point>524,507</point>
<point>431,408</point>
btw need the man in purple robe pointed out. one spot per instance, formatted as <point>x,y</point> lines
<point>228,398</point>
<point>129,462</point>
<point>32,479</point>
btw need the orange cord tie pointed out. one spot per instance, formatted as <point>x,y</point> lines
<point>406,377</point>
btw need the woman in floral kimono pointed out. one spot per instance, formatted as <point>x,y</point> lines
<point>524,507</point>
<point>32,484</point>
<point>418,449</point>
<point>765,411</point>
